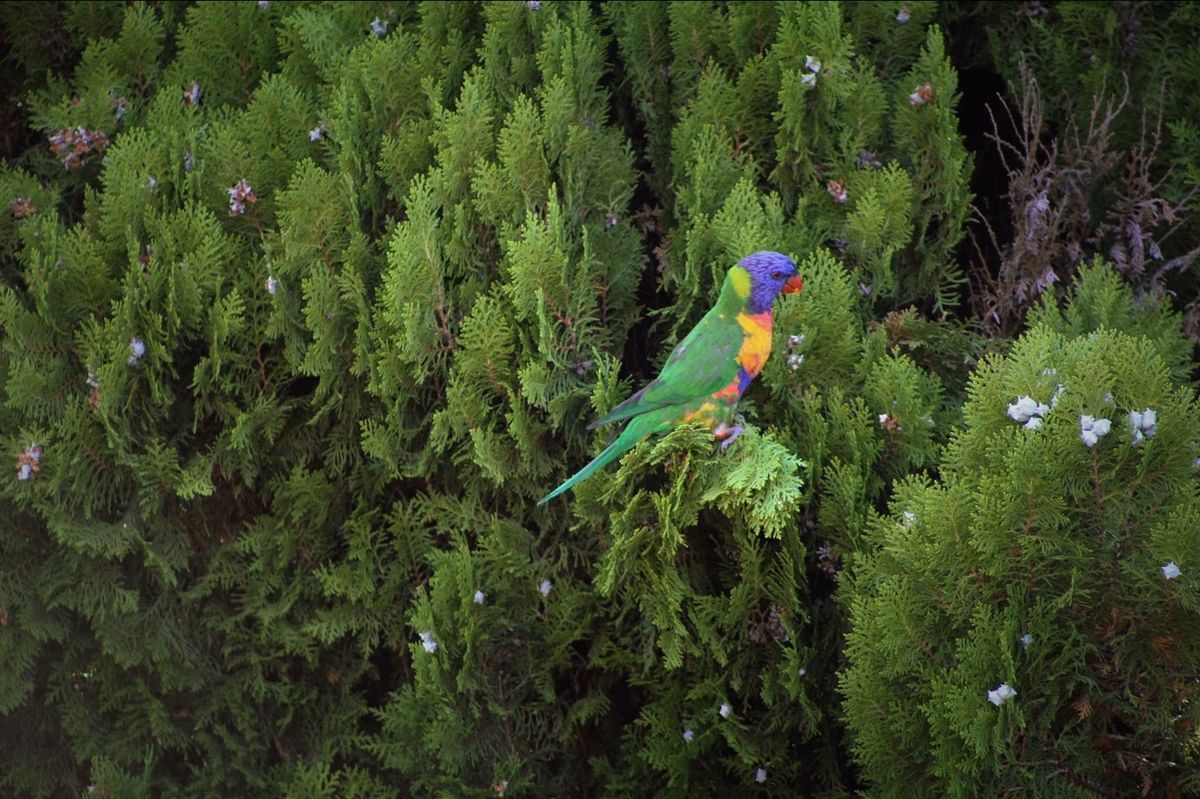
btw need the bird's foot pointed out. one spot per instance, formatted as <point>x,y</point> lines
<point>727,434</point>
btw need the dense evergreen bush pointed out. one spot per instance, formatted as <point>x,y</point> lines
<point>1048,571</point>
<point>303,306</point>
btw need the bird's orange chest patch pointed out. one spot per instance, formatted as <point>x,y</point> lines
<point>757,344</point>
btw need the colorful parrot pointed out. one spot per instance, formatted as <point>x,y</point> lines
<point>705,375</point>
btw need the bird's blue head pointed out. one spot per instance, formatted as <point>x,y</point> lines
<point>770,274</point>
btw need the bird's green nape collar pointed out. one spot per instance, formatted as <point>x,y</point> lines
<point>740,279</point>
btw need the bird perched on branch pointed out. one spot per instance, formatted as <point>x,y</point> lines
<point>708,371</point>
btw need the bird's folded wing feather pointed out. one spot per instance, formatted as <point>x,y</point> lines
<point>700,365</point>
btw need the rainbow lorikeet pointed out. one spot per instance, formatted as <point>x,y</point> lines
<point>708,371</point>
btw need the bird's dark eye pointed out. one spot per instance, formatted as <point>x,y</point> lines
<point>778,275</point>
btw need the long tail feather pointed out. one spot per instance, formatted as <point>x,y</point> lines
<point>616,449</point>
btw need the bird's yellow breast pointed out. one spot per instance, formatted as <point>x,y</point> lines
<point>757,344</point>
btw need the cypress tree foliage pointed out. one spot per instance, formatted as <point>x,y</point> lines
<point>1050,559</point>
<point>303,306</point>
<point>859,146</point>
<point>164,561</point>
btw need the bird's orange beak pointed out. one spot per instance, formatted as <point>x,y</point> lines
<point>794,284</point>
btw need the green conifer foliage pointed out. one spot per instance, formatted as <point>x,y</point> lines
<point>1045,561</point>
<point>460,347</point>
<point>710,557</point>
<point>304,305</point>
<point>788,101</point>
<point>167,564</point>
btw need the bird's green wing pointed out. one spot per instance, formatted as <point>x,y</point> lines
<point>703,363</point>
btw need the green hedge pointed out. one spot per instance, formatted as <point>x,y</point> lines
<point>303,306</point>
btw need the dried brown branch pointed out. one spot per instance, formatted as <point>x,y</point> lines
<point>1053,185</point>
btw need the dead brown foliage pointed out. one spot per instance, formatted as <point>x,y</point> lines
<point>1073,195</point>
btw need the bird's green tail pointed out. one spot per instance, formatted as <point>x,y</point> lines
<point>616,449</point>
